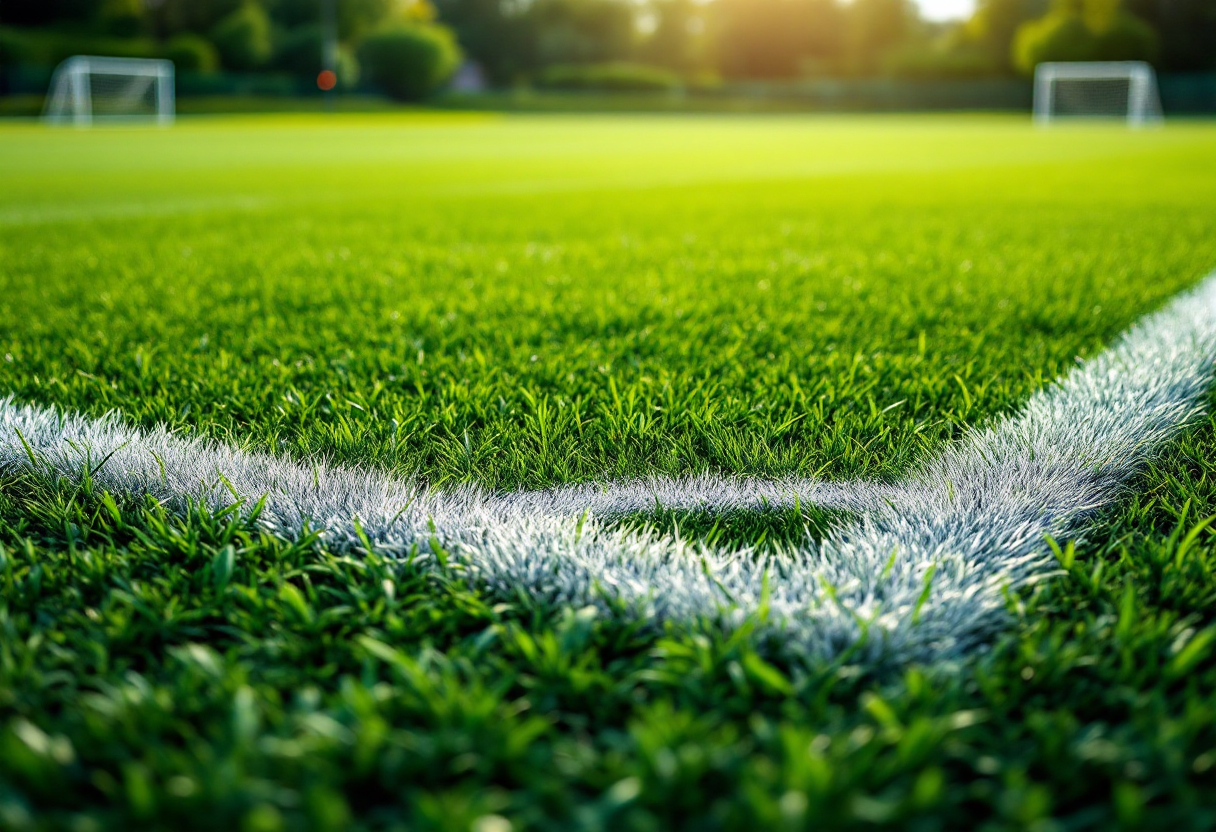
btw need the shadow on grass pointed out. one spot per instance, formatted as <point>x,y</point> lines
<point>764,530</point>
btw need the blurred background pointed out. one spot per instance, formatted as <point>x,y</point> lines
<point>234,55</point>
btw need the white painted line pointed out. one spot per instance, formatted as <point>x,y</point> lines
<point>918,577</point>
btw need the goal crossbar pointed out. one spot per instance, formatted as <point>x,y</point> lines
<point>131,82</point>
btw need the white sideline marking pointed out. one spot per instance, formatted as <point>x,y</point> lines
<point>918,577</point>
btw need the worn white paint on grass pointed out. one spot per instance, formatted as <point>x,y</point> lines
<point>918,576</point>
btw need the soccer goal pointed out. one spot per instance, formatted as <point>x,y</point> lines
<point>85,89</point>
<point>1102,89</point>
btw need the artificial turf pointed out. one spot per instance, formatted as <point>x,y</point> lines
<point>524,301</point>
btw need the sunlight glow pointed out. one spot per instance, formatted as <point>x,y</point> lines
<point>946,9</point>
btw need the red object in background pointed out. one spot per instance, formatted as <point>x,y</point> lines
<point>327,80</point>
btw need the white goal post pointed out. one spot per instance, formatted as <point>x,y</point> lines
<point>86,88</point>
<point>1096,89</point>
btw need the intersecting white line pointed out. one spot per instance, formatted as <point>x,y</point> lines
<point>918,576</point>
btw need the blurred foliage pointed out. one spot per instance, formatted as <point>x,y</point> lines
<point>585,31</point>
<point>1187,32</point>
<point>356,18</point>
<point>46,47</point>
<point>500,36</point>
<point>515,42</point>
<point>948,57</point>
<point>121,17</point>
<point>243,37</point>
<point>995,24</point>
<point>876,27</point>
<point>299,51</point>
<point>199,16</point>
<point>408,61</point>
<point>680,37</point>
<point>1084,30</point>
<point>773,38</point>
<point>41,12</point>
<point>192,53</point>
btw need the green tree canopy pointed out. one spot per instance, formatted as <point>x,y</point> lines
<point>499,35</point>
<point>777,38</point>
<point>243,37</point>
<point>582,31</point>
<point>1084,30</point>
<point>995,24</point>
<point>1186,29</point>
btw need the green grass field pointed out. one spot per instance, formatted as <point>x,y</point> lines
<point>527,301</point>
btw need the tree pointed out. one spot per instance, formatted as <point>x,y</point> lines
<point>995,24</point>
<point>582,31</point>
<point>290,14</point>
<point>42,12</point>
<point>1084,30</point>
<point>170,17</point>
<point>499,35</point>
<point>875,29</point>
<point>191,53</point>
<point>300,35</point>
<point>679,37</point>
<point>243,38</point>
<point>121,17</point>
<point>299,50</point>
<point>1187,32</point>
<point>777,38</point>
<point>356,18</point>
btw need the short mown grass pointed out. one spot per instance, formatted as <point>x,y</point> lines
<point>521,302</point>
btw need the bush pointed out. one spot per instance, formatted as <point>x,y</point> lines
<point>609,77</point>
<point>192,54</point>
<point>408,61</point>
<point>243,38</point>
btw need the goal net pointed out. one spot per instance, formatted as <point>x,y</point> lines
<point>85,89</point>
<point>1103,89</point>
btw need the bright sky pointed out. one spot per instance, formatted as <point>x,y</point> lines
<point>946,9</point>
